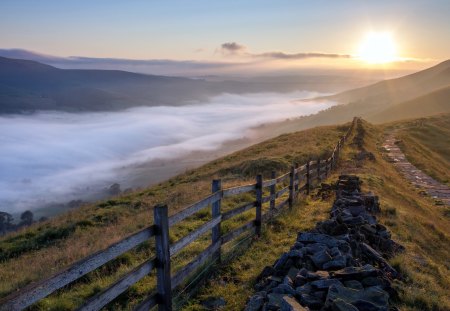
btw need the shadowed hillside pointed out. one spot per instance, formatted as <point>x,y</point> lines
<point>430,104</point>
<point>421,94</point>
<point>29,86</point>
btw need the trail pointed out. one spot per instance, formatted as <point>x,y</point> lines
<point>418,178</point>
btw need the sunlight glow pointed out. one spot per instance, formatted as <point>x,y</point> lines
<point>378,48</point>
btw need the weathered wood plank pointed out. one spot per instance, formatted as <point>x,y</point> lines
<point>183,242</point>
<point>236,232</point>
<point>148,303</point>
<point>40,290</point>
<point>282,191</point>
<point>231,213</point>
<point>238,190</point>
<point>194,208</point>
<point>180,276</point>
<point>267,198</point>
<point>271,182</point>
<point>102,299</point>
<point>301,169</point>
<point>283,177</point>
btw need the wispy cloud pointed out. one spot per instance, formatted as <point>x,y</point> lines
<point>282,55</point>
<point>236,49</point>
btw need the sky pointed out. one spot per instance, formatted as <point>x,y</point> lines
<point>197,30</point>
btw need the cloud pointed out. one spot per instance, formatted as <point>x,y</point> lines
<point>281,55</point>
<point>57,157</point>
<point>232,48</point>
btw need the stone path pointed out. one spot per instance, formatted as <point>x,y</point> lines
<point>435,189</point>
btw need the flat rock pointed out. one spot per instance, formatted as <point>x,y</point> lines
<point>290,304</point>
<point>356,272</point>
<point>275,301</point>
<point>337,263</point>
<point>371,295</point>
<point>341,305</point>
<point>320,258</point>
<point>353,284</point>
<point>255,303</point>
<point>322,284</point>
<point>283,289</point>
<point>309,237</point>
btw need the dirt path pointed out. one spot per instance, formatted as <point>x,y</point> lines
<point>418,178</point>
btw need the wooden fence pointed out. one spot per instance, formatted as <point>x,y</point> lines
<point>301,180</point>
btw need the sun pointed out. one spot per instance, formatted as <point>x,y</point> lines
<point>378,48</point>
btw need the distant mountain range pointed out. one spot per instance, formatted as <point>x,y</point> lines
<point>27,86</point>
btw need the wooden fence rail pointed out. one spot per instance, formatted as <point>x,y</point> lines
<point>301,180</point>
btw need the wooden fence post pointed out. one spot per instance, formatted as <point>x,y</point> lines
<point>273,190</point>
<point>259,192</point>
<point>326,168</point>
<point>291,186</point>
<point>338,151</point>
<point>164,285</point>
<point>215,209</point>
<point>297,178</point>
<point>318,171</point>
<point>308,177</point>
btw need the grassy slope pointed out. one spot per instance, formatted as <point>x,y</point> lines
<point>426,144</point>
<point>415,222</point>
<point>46,248</point>
<point>426,105</point>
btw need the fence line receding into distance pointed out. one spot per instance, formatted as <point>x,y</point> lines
<point>301,179</point>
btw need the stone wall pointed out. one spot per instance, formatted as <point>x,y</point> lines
<point>338,266</point>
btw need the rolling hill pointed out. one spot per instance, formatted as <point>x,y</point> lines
<point>27,85</point>
<point>420,94</point>
<point>430,104</point>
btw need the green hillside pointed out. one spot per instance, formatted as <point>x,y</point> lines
<point>420,94</point>
<point>427,105</point>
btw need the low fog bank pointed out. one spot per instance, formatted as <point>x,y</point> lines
<point>56,157</point>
